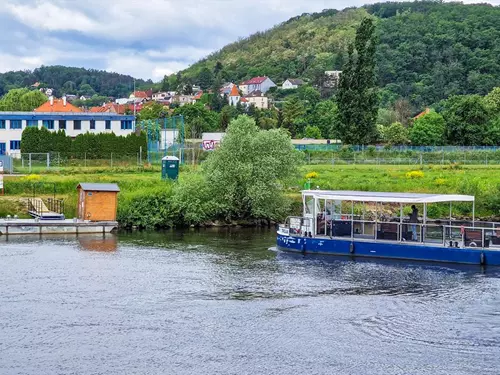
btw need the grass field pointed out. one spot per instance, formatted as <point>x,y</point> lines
<point>481,181</point>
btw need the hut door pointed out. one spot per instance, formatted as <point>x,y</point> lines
<point>81,207</point>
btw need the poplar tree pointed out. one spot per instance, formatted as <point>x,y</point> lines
<point>357,96</point>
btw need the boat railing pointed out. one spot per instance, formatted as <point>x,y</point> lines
<point>437,232</point>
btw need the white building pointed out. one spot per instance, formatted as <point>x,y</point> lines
<point>292,84</point>
<point>332,78</point>
<point>234,97</point>
<point>263,84</point>
<point>258,100</point>
<point>12,125</point>
<point>160,95</point>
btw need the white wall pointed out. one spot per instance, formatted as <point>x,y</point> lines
<point>7,135</point>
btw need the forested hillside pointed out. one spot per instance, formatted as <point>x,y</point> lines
<point>68,80</point>
<point>428,51</point>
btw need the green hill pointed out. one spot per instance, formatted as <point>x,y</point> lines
<point>69,80</point>
<point>427,52</point>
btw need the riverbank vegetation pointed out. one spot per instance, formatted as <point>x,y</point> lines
<point>147,202</point>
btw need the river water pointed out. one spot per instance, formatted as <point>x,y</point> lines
<point>219,302</point>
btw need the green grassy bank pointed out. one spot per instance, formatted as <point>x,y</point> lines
<point>145,200</point>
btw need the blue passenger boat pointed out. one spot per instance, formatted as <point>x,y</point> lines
<point>374,224</point>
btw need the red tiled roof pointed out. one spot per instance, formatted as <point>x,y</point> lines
<point>198,95</point>
<point>58,106</point>
<point>99,109</point>
<point>255,81</point>
<point>234,91</point>
<point>244,100</point>
<point>140,94</point>
<point>427,110</point>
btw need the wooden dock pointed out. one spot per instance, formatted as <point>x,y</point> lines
<point>9,227</point>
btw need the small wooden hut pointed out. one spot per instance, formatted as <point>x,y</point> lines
<point>97,202</point>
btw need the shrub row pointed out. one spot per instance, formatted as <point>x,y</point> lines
<point>96,146</point>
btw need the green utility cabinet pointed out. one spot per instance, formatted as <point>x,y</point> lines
<point>170,168</point>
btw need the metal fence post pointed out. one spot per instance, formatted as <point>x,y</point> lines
<point>29,161</point>
<point>111,160</point>
<point>85,159</point>
<point>48,160</point>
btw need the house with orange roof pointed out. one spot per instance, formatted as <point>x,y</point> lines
<point>198,96</point>
<point>146,95</point>
<point>423,113</point>
<point>57,105</point>
<point>234,96</point>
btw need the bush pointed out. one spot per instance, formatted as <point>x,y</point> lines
<point>396,134</point>
<point>415,174</point>
<point>95,146</point>
<point>428,130</point>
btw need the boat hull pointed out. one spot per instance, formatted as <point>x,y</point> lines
<point>388,250</point>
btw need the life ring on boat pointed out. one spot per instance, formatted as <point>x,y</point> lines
<point>473,244</point>
<point>351,248</point>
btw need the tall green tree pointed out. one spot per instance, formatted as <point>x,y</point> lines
<point>428,130</point>
<point>22,100</point>
<point>205,79</point>
<point>165,84</point>
<point>466,119</point>
<point>217,102</point>
<point>293,112</point>
<point>357,97</point>
<point>246,174</point>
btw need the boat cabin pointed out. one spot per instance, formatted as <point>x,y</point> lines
<point>389,217</point>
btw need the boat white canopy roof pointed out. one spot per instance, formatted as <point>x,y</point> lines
<point>368,196</point>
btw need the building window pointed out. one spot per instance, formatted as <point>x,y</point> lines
<point>32,123</point>
<point>48,124</point>
<point>108,124</point>
<point>92,124</point>
<point>62,124</point>
<point>16,124</point>
<point>126,125</point>
<point>2,124</point>
<point>77,125</point>
<point>15,145</point>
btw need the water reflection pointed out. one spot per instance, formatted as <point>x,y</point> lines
<point>99,243</point>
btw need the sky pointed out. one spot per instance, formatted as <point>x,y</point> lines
<point>144,38</point>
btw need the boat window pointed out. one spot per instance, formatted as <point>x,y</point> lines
<point>309,207</point>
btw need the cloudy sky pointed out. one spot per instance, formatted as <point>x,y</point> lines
<point>143,38</point>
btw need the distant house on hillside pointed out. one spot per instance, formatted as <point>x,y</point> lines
<point>57,105</point>
<point>332,78</point>
<point>146,95</point>
<point>160,95</point>
<point>198,96</point>
<point>234,96</point>
<point>182,99</point>
<point>423,113</point>
<point>263,84</point>
<point>226,88</point>
<point>291,83</point>
<point>257,99</point>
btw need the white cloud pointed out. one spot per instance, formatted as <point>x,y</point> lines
<point>142,38</point>
<point>50,17</point>
<point>139,66</point>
